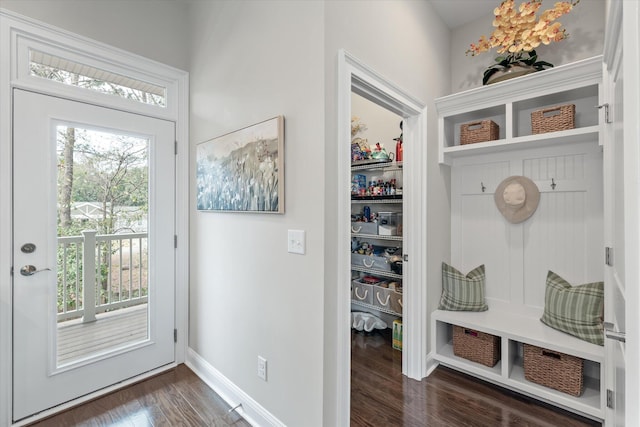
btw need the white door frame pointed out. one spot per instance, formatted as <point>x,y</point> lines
<point>18,32</point>
<point>631,105</point>
<point>622,53</point>
<point>355,76</point>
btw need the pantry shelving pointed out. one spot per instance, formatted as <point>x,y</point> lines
<point>376,215</point>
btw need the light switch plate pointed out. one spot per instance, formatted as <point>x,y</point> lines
<point>296,241</point>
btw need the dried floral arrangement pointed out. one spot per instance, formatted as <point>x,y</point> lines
<point>518,33</point>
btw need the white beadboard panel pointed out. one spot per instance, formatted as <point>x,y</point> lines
<point>565,234</point>
<point>478,233</point>
<point>487,176</point>
<point>570,167</point>
<point>555,239</point>
<point>486,239</point>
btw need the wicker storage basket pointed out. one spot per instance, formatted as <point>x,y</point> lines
<point>476,346</point>
<point>553,369</point>
<point>553,119</point>
<point>484,130</point>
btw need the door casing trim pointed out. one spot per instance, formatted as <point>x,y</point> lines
<point>355,76</point>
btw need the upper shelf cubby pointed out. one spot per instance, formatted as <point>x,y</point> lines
<point>510,104</point>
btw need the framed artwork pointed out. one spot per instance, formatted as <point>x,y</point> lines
<point>243,171</point>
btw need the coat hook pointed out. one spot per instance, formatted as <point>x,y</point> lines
<point>482,187</point>
<point>553,184</point>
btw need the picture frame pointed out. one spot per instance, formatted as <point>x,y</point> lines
<point>243,171</point>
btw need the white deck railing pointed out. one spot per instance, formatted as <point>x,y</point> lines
<point>114,267</point>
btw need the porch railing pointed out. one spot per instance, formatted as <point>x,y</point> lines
<point>100,273</point>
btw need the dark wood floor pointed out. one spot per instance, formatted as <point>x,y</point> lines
<point>175,398</point>
<point>381,396</point>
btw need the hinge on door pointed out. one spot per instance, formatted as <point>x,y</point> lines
<point>609,399</point>
<point>175,335</point>
<point>175,241</point>
<point>608,256</point>
<point>176,146</point>
<point>405,257</point>
<point>607,119</point>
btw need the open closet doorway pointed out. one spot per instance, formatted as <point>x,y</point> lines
<point>362,88</point>
<point>377,190</point>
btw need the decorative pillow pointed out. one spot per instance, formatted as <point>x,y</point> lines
<point>460,292</point>
<point>576,310</point>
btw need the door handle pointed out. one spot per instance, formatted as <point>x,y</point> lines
<point>611,333</point>
<point>30,270</point>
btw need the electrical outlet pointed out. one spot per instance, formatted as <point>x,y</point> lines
<point>262,368</point>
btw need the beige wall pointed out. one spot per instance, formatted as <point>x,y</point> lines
<point>382,125</point>
<point>585,25</point>
<point>250,61</point>
<point>155,29</point>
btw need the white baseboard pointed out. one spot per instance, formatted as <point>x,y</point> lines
<point>250,410</point>
<point>431,363</point>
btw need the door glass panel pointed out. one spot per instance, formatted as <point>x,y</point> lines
<point>102,271</point>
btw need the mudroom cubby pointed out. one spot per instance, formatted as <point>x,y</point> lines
<point>565,234</point>
<point>510,103</point>
<point>515,329</point>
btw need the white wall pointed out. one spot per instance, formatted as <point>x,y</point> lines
<point>250,61</point>
<point>585,25</point>
<point>154,29</point>
<point>398,39</point>
<point>382,125</point>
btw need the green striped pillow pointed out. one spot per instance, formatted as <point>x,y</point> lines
<point>576,310</point>
<point>460,292</point>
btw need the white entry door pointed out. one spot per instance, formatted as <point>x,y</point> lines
<point>93,257</point>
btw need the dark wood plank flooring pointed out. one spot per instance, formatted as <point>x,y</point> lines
<point>174,398</point>
<point>382,396</point>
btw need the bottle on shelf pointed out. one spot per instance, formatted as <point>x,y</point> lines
<point>398,141</point>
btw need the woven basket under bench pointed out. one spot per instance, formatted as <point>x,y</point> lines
<point>553,369</point>
<point>476,346</point>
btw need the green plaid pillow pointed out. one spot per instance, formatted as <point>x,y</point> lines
<point>460,292</point>
<point>576,310</point>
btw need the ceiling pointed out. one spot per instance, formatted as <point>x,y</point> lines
<point>458,12</point>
